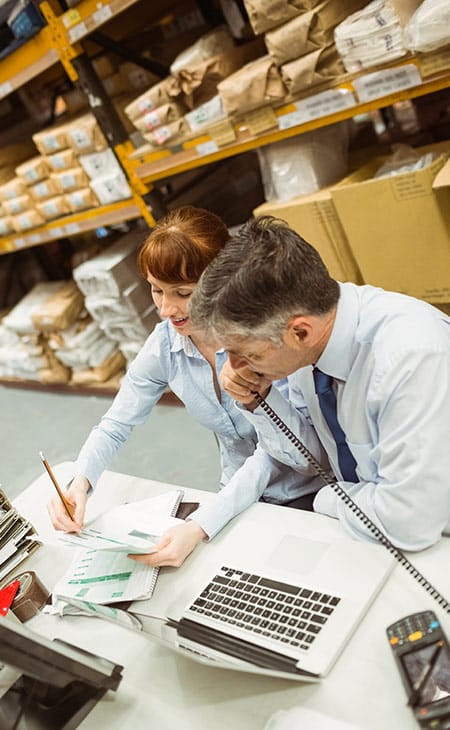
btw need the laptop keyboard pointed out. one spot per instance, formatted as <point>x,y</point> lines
<point>287,613</point>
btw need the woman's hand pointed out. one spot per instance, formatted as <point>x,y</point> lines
<point>76,496</point>
<point>239,384</point>
<point>176,544</point>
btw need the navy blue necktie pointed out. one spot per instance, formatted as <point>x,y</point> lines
<point>327,402</point>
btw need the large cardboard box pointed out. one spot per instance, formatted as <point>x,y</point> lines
<point>314,217</point>
<point>398,227</point>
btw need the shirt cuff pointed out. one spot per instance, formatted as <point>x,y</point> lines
<point>211,518</point>
<point>325,502</point>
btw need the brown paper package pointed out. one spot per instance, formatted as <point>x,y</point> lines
<point>309,31</point>
<point>257,84</point>
<point>312,69</point>
<point>199,83</point>
<point>160,116</point>
<point>267,14</point>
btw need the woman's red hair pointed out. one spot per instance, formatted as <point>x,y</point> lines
<point>182,244</point>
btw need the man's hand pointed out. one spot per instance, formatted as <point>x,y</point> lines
<point>176,544</point>
<point>76,496</point>
<point>239,384</point>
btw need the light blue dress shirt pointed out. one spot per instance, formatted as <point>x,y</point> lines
<point>169,359</point>
<point>390,357</point>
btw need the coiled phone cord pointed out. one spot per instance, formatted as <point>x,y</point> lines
<point>332,481</point>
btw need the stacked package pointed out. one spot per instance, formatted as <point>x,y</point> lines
<point>374,35</point>
<point>14,192</point>
<point>50,337</point>
<point>121,82</point>
<point>174,109</point>
<point>75,170</point>
<point>24,351</point>
<point>298,37</point>
<point>116,297</point>
<point>66,148</point>
<point>90,354</point>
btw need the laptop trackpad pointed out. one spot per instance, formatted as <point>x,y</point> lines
<point>295,554</point>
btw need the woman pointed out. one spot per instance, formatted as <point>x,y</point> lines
<point>172,260</point>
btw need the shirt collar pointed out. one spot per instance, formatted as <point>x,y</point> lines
<point>181,342</point>
<point>339,353</point>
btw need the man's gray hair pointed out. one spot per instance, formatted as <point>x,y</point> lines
<point>266,274</point>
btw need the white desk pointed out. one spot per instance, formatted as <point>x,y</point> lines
<point>161,690</point>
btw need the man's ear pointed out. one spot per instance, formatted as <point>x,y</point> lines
<point>299,329</point>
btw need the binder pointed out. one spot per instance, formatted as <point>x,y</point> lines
<point>18,537</point>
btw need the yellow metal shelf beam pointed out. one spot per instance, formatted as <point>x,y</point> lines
<point>72,225</point>
<point>160,164</point>
<point>28,61</point>
<point>56,42</point>
<point>90,15</point>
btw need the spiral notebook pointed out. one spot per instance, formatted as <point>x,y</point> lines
<point>108,576</point>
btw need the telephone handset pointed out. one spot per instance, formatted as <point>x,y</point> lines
<point>367,522</point>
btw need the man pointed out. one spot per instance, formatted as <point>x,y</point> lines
<point>384,357</point>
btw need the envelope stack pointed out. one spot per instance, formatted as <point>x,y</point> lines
<point>375,34</point>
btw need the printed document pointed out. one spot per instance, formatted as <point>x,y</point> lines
<point>106,574</point>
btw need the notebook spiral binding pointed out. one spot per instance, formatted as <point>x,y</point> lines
<point>332,481</point>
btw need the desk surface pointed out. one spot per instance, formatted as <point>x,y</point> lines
<point>162,690</point>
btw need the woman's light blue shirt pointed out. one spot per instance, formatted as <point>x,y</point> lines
<point>169,359</point>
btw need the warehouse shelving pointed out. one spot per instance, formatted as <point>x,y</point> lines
<point>206,149</point>
<point>61,42</point>
<point>56,42</point>
<point>72,225</point>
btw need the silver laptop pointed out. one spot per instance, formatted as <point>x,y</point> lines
<point>279,591</point>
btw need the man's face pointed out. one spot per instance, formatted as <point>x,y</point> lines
<point>263,357</point>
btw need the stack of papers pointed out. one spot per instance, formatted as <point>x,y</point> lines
<point>101,571</point>
<point>371,36</point>
<point>17,537</point>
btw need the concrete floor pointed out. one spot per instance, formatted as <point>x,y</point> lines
<point>170,447</point>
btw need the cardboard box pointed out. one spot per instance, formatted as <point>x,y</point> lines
<point>314,217</point>
<point>398,227</point>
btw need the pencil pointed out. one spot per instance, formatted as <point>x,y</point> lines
<point>57,487</point>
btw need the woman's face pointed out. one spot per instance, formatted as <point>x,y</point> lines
<point>172,302</point>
